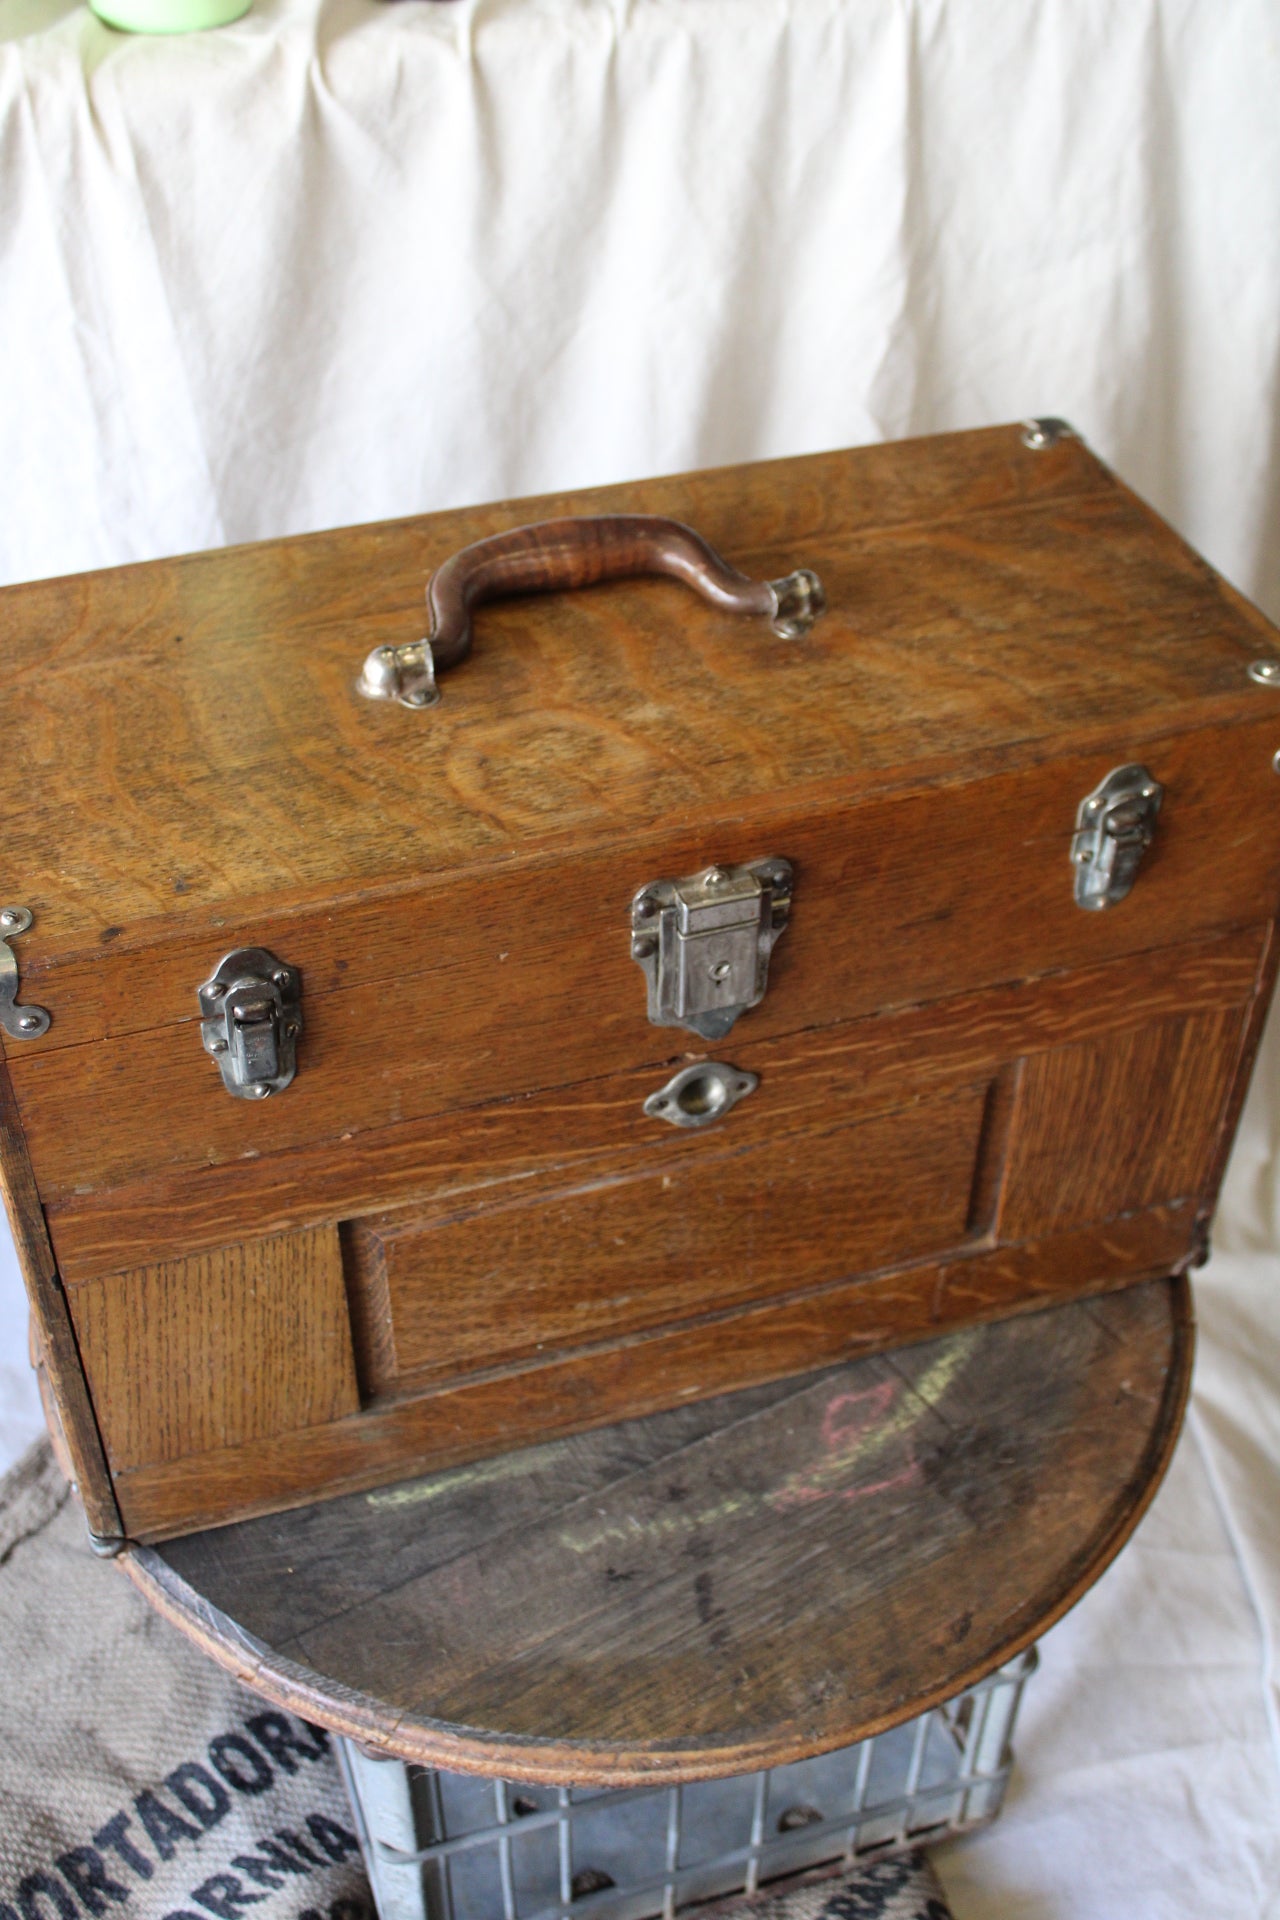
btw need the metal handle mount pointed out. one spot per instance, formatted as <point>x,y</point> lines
<point>552,555</point>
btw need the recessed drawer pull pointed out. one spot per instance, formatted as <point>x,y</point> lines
<point>699,1095</point>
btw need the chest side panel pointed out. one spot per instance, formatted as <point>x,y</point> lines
<point>220,1352</point>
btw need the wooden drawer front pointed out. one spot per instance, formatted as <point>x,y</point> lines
<point>583,1129</point>
<point>662,1242</point>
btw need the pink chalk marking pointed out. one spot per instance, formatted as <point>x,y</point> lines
<point>877,1402</point>
<point>848,1419</point>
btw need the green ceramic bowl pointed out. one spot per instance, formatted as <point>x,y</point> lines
<point>169,16</point>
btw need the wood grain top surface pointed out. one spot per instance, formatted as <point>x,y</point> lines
<point>719,1587</point>
<point>192,747</point>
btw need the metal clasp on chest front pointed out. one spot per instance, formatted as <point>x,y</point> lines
<point>704,942</point>
<point>251,1017</point>
<point>1115,824</point>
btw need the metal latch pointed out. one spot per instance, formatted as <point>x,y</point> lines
<point>251,1016</point>
<point>1115,825</point>
<point>704,942</point>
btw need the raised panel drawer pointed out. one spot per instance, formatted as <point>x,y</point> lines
<point>661,1241</point>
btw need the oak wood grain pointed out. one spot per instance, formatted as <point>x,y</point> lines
<point>648,1246</point>
<point>1242,1074</point>
<point>589,1127</point>
<point>53,1421</point>
<point>60,1369</point>
<point>983,597</point>
<point>1112,1125</point>
<point>431,932</point>
<point>903,900</point>
<point>716,1353</point>
<point>221,1350</point>
<point>1005,626</point>
<point>674,1600</point>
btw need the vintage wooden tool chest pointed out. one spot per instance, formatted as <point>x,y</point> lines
<point>703,987</point>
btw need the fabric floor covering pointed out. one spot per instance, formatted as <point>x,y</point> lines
<point>135,1777</point>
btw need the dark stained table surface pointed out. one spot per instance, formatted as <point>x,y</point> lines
<point>725,1586</point>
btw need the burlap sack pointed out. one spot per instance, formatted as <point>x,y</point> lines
<point>138,1781</point>
<point>135,1778</point>
<point>901,1889</point>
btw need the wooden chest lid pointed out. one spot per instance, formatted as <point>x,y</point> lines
<point>192,748</point>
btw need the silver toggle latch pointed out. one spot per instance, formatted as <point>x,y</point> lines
<point>1115,825</point>
<point>704,943</point>
<point>251,1016</point>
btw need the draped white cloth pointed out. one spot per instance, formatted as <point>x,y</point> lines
<point>343,260</point>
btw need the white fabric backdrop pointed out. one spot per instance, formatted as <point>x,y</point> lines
<point>343,261</point>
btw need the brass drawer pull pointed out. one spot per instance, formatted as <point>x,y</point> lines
<point>552,555</point>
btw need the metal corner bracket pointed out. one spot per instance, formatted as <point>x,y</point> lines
<point>107,1546</point>
<point>26,1022</point>
<point>1046,432</point>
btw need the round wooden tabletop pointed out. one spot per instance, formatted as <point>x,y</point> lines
<point>730,1585</point>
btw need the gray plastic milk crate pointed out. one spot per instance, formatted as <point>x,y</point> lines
<point>453,1846</point>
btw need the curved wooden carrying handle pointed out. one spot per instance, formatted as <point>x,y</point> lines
<point>556,554</point>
